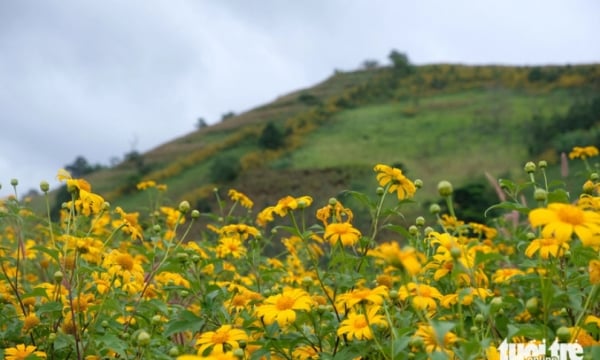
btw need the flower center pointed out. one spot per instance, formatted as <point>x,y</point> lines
<point>284,303</point>
<point>220,337</point>
<point>125,261</point>
<point>571,215</point>
<point>360,322</point>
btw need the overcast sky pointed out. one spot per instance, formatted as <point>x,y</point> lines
<point>102,78</point>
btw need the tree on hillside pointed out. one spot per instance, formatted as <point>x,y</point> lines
<point>400,63</point>
<point>201,123</point>
<point>80,167</point>
<point>370,64</point>
<point>271,137</point>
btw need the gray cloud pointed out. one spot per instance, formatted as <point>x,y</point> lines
<point>95,78</point>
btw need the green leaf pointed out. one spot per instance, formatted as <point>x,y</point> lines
<point>558,196</point>
<point>508,205</point>
<point>397,229</point>
<point>185,321</point>
<point>50,307</point>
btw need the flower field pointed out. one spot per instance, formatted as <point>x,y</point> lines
<point>298,280</point>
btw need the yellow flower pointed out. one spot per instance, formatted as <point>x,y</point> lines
<point>21,352</point>
<point>398,182</point>
<point>230,246</point>
<point>265,216</point>
<point>128,223</point>
<point>167,278</point>
<point>342,232</point>
<point>423,296</point>
<point>305,352</point>
<point>594,269</point>
<point>358,326</point>
<point>221,340</point>
<point>547,247</point>
<point>407,258</point>
<point>561,220</point>
<point>128,268</point>
<point>583,152</point>
<point>30,321</point>
<point>356,296</point>
<point>334,211</point>
<point>434,341</point>
<point>146,184</point>
<point>282,307</point>
<point>289,203</point>
<point>505,275</point>
<point>241,230</point>
<point>237,196</point>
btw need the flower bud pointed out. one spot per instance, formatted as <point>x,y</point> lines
<point>413,230</point>
<point>394,294</point>
<point>529,167</point>
<point>434,209</point>
<point>238,353</point>
<point>540,195</point>
<point>307,281</point>
<point>195,214</point>
<point>156,228</point>
<point>143,338</point>
<point>105,205</point>
<point>530,236</point>
<point>455,252</point>
<point>594,176</point>
<point>445,188</point>
<point>332,201</point>
<point>58,276</point>
<point>420,221</point>
<point>496,304</point>
<point>563,334</point>
<point>379,191</point>
<point>588,187</point>
<point>44,186</point>
<point>184,207</point>
<point>182,257</point>
<point>533,305</point>
<point>173,351</point>
<point>479,319</point>
<point>418,183</point>
<point>156,320</point>
<point>428,230</point>
<point>542,164</point>
<point>14,182</point>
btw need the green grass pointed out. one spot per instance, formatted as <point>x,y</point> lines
<point>454,136</point>
<point>457,133</point>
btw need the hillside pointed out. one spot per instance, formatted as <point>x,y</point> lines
<point>436,122</point>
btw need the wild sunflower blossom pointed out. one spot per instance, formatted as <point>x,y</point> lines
<point>358,326</point>
<point>560,221</point>
<point>583,152</point>
<point>222,340</point>
<point>344,233</point>
<point>282,307</point>
<point>407,258</point>
<point>547,247</point>
<point>21,352</point>
<point>237,196</point>
<point>364,295</point>
<point>399,183</point>
<point>423,297</point>
<point>432,342</point>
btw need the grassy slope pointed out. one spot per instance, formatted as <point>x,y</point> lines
<point>455,135</point>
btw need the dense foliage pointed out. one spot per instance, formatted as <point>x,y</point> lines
<point>103,282</point>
